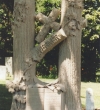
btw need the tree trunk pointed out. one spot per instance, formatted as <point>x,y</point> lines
<point>23,42</point>
<point>70,53</point>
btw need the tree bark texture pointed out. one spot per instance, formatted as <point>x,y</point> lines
<point>49,22</point>
<point>48,44</point>
<point>70,52</point>
<point>23,42</point>
<point>25,55</point>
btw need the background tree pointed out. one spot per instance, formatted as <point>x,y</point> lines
<point>91,40</point>
<point>6,9</point>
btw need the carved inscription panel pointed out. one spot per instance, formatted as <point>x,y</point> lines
<point>52,100</point>
<point>35,99</point>
<point>43,99</point>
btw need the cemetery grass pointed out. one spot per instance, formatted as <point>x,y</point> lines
<point>6,97</point>
<point>84,86</point>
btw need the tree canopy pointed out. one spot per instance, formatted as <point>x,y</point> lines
<point>6,42</point>
<point>91,40</point>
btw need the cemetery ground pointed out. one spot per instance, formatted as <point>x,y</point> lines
<point>6,97</point>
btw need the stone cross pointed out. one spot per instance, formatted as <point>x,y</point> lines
<point>49,22</point>
<point>89,99</point>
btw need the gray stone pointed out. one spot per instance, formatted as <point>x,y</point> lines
<point>8,64</point>
<point>52,100</point>
<point>35,99</point>
<point>89,99</point>
<point>2,72</point>
<point>43,99</point>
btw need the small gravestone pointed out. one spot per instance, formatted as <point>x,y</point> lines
<point>2,72</point>
<point>89,99</point>
<point>8,64</point>
<point>43,99</point>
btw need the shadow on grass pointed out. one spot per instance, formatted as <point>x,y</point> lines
<point>5,98</point>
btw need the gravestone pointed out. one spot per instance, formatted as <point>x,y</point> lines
<point>44,99</point>
<point>8,64</point>
<point>89,99</point>
<point>2,72</point>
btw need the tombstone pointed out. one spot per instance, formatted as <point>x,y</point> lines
<point>2,72</point>
<point>89,99</point>
<point>43,99</point>
<point>8,64</point>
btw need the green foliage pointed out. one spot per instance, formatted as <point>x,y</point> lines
<point>6,40</point>
<point>91,40</point>
<point>53,72</point>
<point>45,6</point>
<point>98,76</point>
<point>5,97</point>
<point>47,68</point>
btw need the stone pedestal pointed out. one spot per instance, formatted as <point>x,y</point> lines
<point>44,99</point>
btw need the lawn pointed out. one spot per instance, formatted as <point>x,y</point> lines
<point>96,92</point>
<point>5,96</point>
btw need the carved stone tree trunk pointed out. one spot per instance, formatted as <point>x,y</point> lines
<point>70,52</point>
<point>23,42</point>
<point>26,55</point>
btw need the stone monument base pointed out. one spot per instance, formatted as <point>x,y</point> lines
<point>44,99</point>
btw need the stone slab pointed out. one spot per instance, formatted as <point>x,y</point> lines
<point>43,99</point>
<point>8,64</point>
<point>35,99</point>
<point>2,72</point>
<point>52,100</point>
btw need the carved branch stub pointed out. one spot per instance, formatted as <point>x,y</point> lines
<point>14,86</point>
<point>42,18</point>
<point>54,14</point>
<point>20,98</point>
<point>83,22</point>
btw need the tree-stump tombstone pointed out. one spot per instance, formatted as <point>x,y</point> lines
<point>29,93</point>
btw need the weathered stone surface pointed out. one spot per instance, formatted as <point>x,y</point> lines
<point>70,52</point>
<point>35,99</point>
<point>49,22</point>
<point>44,99</point>
<point>48,44</point>
<point>8,64</point>
<point>52,100</point>
<point>89,99</point>
<point>2,72</point>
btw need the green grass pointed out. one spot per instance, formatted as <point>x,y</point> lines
<point>96,92</point>
<point>6,97</point>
